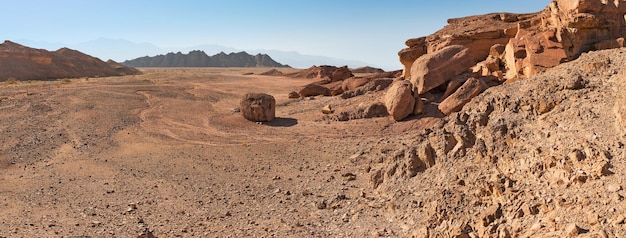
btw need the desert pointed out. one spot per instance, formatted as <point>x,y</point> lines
<point>164,154</point>
<point>497,125</point>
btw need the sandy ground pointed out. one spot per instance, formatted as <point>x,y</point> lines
<point>164,154</point>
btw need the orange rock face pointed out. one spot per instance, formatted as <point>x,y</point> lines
<point>534,42</point>
<point>477,33</point>
<point>563,31</point>
<point>437,68</point>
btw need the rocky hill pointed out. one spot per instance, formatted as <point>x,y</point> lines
<point>541,156</point>
<point>200,59</point>
<point>528,43</point>
<point>18,62</point>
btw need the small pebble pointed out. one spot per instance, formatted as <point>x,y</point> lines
<point>614,188</point>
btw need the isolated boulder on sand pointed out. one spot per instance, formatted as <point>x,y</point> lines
<point>258,107</point>
<point>399,100</point>
<point>434,69</point>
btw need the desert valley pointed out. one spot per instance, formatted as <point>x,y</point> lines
<point>499,125</point>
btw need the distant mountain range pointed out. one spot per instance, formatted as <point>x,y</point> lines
<point>199,58</point>
<point>121,50</point>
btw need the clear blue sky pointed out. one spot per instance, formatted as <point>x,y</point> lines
<point>371,31</point>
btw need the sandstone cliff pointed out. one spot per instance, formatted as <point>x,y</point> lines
<point>533,42</point>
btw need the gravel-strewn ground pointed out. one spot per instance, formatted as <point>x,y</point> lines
<point>163,154</point>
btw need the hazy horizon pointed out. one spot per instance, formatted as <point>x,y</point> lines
<point>365,31</point>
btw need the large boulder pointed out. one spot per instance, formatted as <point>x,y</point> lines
<point>399,100</point>
<point>258,107</point>
<point>434,69</point>
<point>314,90</point>
<point>455,102</point>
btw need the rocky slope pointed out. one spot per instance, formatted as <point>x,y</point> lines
<point>18,62</point>
<point>201,59</point>
<point>533,144</point>
<point>539,157</point>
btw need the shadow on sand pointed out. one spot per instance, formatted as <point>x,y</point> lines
<point>282,122</point>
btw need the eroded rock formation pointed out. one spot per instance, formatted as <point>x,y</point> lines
<point>506,47</point>
<point>331,73</point>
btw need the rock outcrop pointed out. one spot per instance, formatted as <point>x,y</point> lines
<point>331,73</point>
<point>477,33</point>
<point>533,42</point>
<point>19,62</point>
<point>258,107</point>
<point>546,148</point>
<point>562,32</point>
<point>198,58</point>
<point>505,47</point>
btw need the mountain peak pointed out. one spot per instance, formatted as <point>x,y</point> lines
<point>11,45</point>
